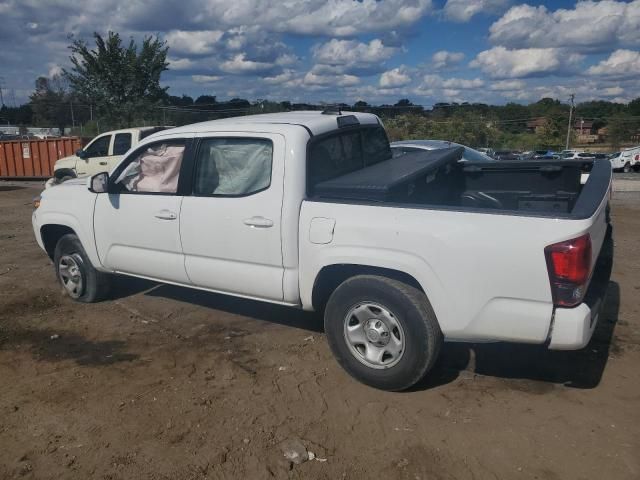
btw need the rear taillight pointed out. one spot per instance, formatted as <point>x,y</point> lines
<point>569,266</point>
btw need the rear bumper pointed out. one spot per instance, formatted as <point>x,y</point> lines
<point>573,327</point>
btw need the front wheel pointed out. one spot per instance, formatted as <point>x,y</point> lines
<point>626,168</point>
<point>383,332</point>
<point>79,279</point>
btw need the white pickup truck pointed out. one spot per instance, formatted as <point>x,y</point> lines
<point>308,209</point>
<point>102,154</point>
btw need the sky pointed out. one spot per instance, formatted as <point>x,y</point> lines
<point>490,51</point>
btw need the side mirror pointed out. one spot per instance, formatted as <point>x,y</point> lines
<point>82,154</point>
<point>99,183</point>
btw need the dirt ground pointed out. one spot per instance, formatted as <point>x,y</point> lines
<point>167,383</point>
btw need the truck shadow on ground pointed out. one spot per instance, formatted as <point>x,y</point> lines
<point>576,369</point>
<point>266,312</point>
<point>51,346</point>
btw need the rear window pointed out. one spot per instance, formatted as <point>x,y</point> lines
<point>346,152</point>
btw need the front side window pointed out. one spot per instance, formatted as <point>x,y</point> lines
<point>121,143</point>
<point>99,147</point>
<point>233,166</point>
<point>154,169</point>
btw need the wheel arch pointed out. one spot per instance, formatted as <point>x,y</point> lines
<point>51,234</point>
<point>64,172</point>
<point>331,276</point>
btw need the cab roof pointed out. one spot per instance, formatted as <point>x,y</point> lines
<point>314,121</point>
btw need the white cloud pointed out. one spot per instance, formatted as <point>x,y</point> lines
<point>54,70</point>
<point>285,77</point>
<point>436,81</point>
<point>397,77</point>
<point>463,83</point>
<point>613,91</point>
<point>343,80</point>
<point>239,65</point>
<point>193,43</point>
<point>352,52</point>
<point>180,63</point>
<point>444,59</point>
<point>507,85</point>
<point>619,64</point>
<point>464,10</point>
<point>590,26</point>
<point>317,17</point>
<point>205,78</point>
<point>500,62</point>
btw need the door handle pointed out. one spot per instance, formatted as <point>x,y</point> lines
<point>166,215</point>
<point>258,222</point>
<point>103,163</point>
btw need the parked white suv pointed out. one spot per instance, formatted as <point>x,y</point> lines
<point>102,154</point>
<point>626,160</point>
<point>310,210</point>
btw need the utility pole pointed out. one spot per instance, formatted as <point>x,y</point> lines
<point>73,118</point>
<point>1,87</point>
<point>572,97</point>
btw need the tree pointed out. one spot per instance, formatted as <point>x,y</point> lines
<point>207,100</point>
<point>123,82</point>
<point>622,128</point>
<point>554,131</point>
<point>403,102</point>
<point>51,103</point>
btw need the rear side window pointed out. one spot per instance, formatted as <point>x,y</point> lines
<point>346,152</point>
<point>375,145</point>
<point>233,166</point>
<point>121,143</point>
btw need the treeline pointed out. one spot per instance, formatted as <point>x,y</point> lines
<point>498,126</point>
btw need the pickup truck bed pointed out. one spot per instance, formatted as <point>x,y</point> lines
<point>434,179</point>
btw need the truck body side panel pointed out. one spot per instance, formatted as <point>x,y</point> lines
<point>485,275</point>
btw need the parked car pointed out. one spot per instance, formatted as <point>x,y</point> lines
<point>489,152</point>
<point>506,155</point>
<point>310,210</point>
<point>626,160</point>
<point>408,146</point>
<point>545,155</point>
<point>100,155</point>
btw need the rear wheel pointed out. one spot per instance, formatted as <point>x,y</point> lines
<point>626,168</point>
<point>383,332</point>
<point>76,274</point>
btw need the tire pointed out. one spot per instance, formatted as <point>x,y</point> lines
<point>79,279</point>
<point>388,306</point>
<point>626,168</point>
